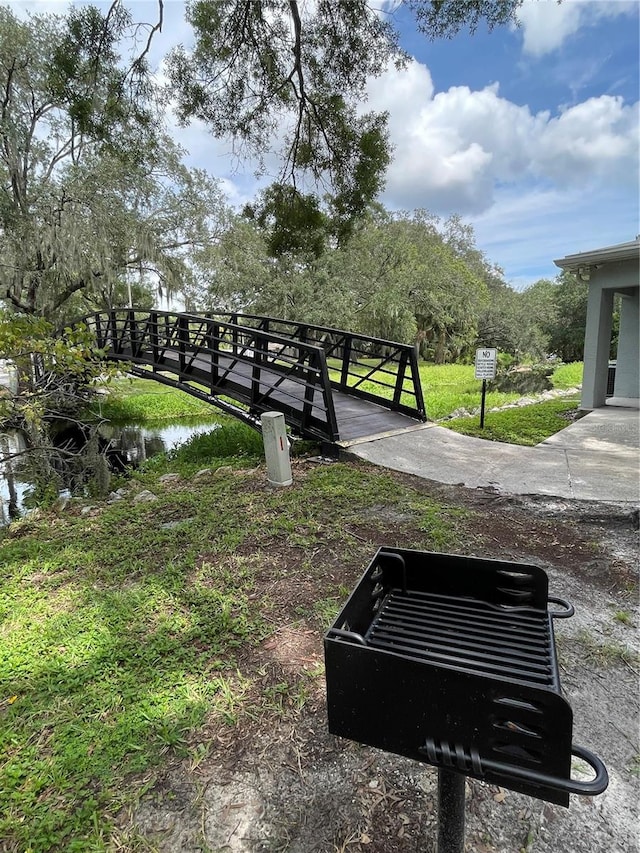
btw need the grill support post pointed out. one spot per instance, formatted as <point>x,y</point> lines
<point>450,811</point>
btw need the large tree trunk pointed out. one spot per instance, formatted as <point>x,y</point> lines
<point>440,350</point>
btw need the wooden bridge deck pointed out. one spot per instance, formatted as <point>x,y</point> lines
<point>361,418</point>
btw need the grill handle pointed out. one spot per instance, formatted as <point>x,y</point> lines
<point>398,559</point>
<point>347,635</point>
<point>568,611</point>
<point>457,758</point>
<point>571,786</point>
<point>592,786</point>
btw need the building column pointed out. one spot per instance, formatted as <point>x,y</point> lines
<point>627,371</point>
<point>597,343</point>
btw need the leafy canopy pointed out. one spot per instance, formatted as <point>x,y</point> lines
<point>93,192</point>
<point>397,277</point>
<point>286,78</point>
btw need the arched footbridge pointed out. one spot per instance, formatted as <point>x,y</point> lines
<point>330,385</point>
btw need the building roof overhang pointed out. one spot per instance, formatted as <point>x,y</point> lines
<point>596,257</point>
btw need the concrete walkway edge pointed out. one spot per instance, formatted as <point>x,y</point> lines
<point>594,459</point>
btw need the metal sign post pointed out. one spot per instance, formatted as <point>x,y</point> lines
<point>482,401</point>
<point>486,361</point>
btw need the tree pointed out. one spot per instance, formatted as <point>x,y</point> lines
<point>96,208</point>
<point>55,381</point>
<point>258,65</point>
<point>395,278</point>
<point>280,75</point>
<point>244,274</point>
<point>560,310</point>
<point>506,321</point>
<point>566,337</point>
<point>91,190</point>
<point>293,223</point>
<point>413,284</point>
<point>445,18</point>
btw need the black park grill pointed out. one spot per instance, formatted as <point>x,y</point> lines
<point>451,661</point>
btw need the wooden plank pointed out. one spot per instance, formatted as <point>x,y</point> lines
<point>358,418</point>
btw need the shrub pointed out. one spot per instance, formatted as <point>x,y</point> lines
<point>232,439</point>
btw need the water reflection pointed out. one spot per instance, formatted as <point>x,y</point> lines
<point>12,490</point>
<point>139,443</point>
<point>134,445</point>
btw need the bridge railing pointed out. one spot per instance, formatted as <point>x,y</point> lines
<point>256,367</point>
<point>382,371</point>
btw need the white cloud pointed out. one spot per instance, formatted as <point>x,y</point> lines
<point>597,139</point>
<point>546,24</point>
<point>452,149</point>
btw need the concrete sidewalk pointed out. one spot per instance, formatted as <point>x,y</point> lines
<point>595,459</point>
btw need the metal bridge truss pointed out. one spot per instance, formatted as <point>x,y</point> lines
<point>330,384</point>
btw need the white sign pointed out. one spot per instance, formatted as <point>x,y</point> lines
<point>486,360</point>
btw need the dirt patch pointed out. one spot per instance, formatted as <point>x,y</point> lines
<point>294,648</point>
<point>278,781</point>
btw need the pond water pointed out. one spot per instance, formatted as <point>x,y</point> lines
<point>134,443</point>
<point>138,443</point>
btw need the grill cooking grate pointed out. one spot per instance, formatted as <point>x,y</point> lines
<point>474,635</point>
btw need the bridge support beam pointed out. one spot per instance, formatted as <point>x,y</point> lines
<point>276,449</point>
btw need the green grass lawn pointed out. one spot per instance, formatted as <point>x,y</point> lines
<point>528,425</point>
<point>115,644</point>
<point>125,630</point>
<point>137,401</point>
<point>120,630</point>
<point>446,387</point>
<point>568,375</point>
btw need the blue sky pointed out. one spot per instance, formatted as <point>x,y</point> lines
<point>530,134</point>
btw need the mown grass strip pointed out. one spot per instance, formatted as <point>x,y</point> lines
<point>526,425</point>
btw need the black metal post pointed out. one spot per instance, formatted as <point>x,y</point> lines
<point>450,811</point>
<point>484,394</point>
